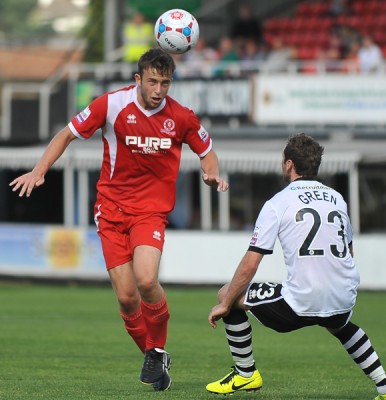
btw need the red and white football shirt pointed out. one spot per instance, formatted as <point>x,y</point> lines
<point>142,149</point>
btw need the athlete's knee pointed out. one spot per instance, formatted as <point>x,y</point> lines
<point>335,331</point>
<point>129,302</point>
<point>150,290</point>
<point>147,286</point>
<point>344,332</point>
<point>239,302</point>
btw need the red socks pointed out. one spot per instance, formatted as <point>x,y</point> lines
<point>148,325</point>
<point>136,327</point>
<point>156,317</point>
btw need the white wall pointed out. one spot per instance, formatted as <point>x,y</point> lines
<point>190,257</point>
<point>212,257</point>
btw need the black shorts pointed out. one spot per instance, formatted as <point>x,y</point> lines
<point>269,308</point>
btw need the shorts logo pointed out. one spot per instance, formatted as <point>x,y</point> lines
<point>131,119</point>
<point>157,235</point>
<point>83,115</point>
<point>169,126</point>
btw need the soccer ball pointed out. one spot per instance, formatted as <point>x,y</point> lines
<point>176,31</point>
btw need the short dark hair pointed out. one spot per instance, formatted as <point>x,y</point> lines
<point>305,153</point>
<point>158,59</point>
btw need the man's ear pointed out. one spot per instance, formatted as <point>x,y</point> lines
<point>289,166</point>
<point>137,79</point>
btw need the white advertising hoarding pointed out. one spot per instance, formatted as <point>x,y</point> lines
<point>322,99</point>
<point>188,257</point>
<point>218,97</point>
<point>208,97</point>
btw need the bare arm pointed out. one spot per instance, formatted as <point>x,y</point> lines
<point>240,281</point>
<point>29,181</point>
<point>210,168</point>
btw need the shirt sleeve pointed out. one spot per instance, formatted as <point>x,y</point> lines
<point>265,231</point>
<point>197,137</point>
<point>93,117</point>
<point>349,231</point>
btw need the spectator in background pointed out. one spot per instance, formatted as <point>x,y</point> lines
<point>339,7</point>
<point>370,56</point>
<point>350,63</point>
<point>252,55</point>
<point>227,50</point>
<point>246,26</point>
<point>199,59</point>
<point>332,54</point>
<point>138,37</point>
<point>227,55</point>
<point>279,55</point>
<point>348,36</point>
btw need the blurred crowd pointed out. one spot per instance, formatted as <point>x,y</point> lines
<point>248,48</point>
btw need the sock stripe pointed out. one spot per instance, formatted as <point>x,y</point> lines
<point>238,328</point>
<point>240,345</point>
<point>350,341</point>
<point>362,351</point>
<point>359,343</point>
<point>373,366</point>
<point>381,386</point>
<point>239,336</point>
<point>359,347</point>
<point>242,333</point>
<point>367,358</point>
<point>241,353</point>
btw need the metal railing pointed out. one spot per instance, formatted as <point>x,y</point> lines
<point>124,72</point>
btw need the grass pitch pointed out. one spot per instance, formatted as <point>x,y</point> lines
<point>68,342</point>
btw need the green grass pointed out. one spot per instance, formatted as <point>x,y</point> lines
<point>68,342</point>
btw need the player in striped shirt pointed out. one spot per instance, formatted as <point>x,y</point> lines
<point>311,222</point>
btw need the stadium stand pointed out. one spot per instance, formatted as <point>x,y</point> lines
<point>309,27</point>
<point>311,24</point>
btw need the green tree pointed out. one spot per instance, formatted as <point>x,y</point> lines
<point>93,32</point>
<point>16,21</point>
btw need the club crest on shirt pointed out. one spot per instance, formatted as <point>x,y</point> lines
<point>83,115</point>
<point>169,126</point>
<point>204,135</point>
<point>255,236</point>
